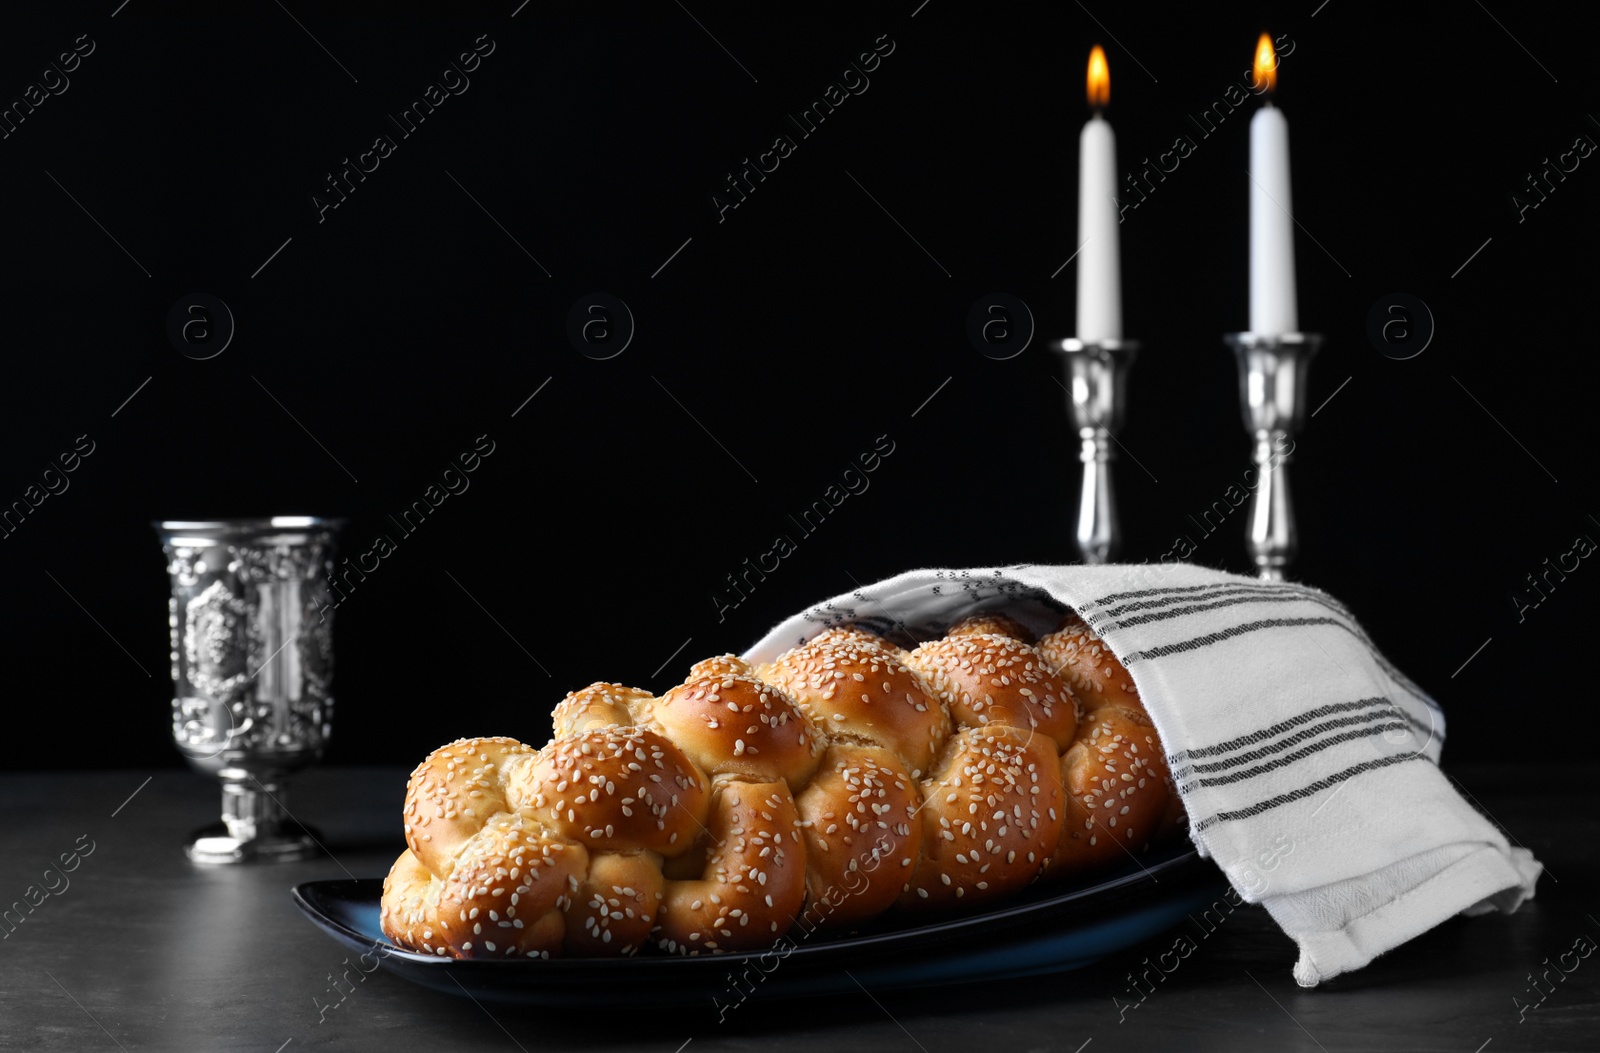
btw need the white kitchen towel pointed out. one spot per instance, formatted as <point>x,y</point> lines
<point>1307,762</point>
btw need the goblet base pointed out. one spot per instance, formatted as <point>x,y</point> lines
<point>216,844</point>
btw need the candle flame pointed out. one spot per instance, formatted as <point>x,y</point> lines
<point>1266,64</point>
<point>1099,79</point>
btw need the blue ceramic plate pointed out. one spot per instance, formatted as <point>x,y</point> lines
<point>1048,929</point>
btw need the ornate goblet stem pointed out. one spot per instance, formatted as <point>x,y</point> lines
<point>1272,390</point>
<point>252,661</point>
<point>1096,377</point>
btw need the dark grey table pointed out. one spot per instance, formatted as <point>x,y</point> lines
<point>145,951</point>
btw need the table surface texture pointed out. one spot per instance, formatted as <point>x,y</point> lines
<point>139,949</point>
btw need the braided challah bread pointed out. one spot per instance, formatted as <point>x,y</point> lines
<point>848,778</point>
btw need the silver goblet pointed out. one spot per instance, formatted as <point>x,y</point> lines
<point>252,661</point>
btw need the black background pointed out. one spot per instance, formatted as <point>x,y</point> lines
<point>799,329</point>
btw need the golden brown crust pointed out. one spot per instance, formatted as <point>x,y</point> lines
<point>454,791</point>
<point>987,679</point>
<point>738,725</point>
<point>1077,654</point>
<point>619,790</point>
<point>851,687</point>
<point>990,819</point>
<point>404,910</point>
<point>598,705</point>
<point>614,908</point>
<point>844,633</point>
<point>512,871</point>
<point>502,897</point>
<point>992,623</point>
<point>722,665</point>
<point>861,832</point>
<point>1116,782</point>
<point>754,878</point>
<point>847,778</point>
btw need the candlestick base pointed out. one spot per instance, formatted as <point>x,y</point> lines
<point>1272,389</point>
<point>1097,373</point>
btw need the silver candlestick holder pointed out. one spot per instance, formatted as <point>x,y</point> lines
<point>1097,372</point>
<point>1272,395</point>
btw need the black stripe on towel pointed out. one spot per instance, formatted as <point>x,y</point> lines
<point>1194,608</point>
<point>1229,633</point>
<point>1306,791</point>
<point>1388,713</point>
<point>1354,628</point>
<point>1176,594</point>
<point>1255,737</point>
<point>1175,590</point>
<point>1298,755</point>
<point>1157,604</point>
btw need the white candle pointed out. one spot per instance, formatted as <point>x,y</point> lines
<point>1099,258</point>
<point>1272,299</point>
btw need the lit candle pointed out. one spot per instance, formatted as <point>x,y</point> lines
<point>1099,265</point>
<point>1272,301</point>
